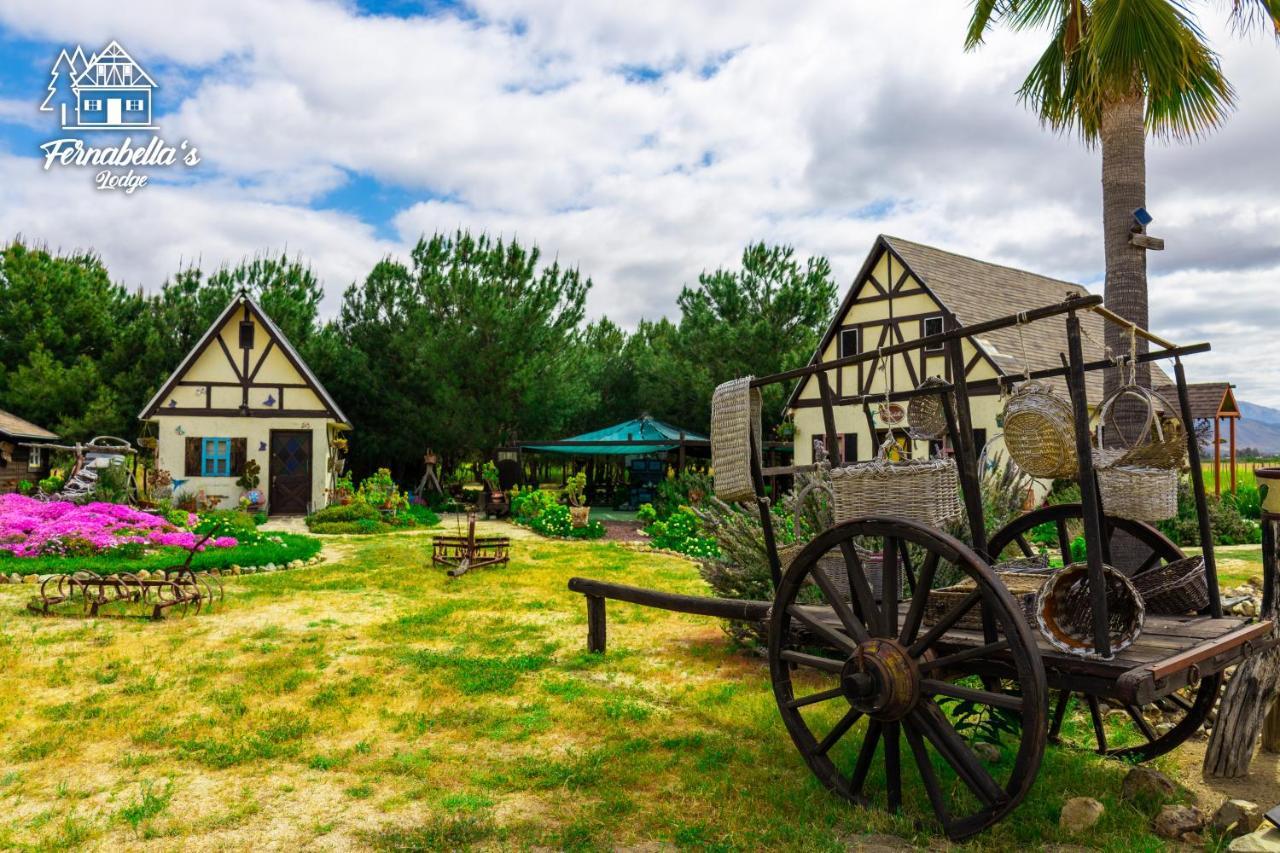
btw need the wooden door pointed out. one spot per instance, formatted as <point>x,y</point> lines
<point>290,472</point>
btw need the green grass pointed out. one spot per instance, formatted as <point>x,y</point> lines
<point>372,701</point>
<point>291,546</point>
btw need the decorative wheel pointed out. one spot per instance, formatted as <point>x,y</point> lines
<point>854,675</point>
<point>1131,732</point>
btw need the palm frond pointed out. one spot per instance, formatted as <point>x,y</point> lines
<point>1248,15</point>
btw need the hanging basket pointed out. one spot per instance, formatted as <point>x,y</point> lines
<point>1175,588</point>
<point>1162,441</point>
<point>1142,494</point>
<point>922,490</point>
<point>831,564</point>
<point>735,420</point>
<point>1039,431</point>
<point>926,415</point>
<point>1022,586</point>
<point>1064,610</point>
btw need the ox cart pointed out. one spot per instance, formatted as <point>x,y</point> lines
<point>863,661</point>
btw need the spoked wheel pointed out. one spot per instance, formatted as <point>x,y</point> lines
<point>853,676</point>
<point>1131,732</point>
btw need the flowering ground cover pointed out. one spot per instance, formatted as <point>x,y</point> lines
<point>32,528</point>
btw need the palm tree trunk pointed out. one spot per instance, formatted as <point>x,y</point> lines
<point>1124,189</point>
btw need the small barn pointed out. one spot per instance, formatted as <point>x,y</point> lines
<point>21,456</point>
<point>243,394</point>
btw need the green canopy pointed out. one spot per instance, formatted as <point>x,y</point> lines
<point>630,438</point>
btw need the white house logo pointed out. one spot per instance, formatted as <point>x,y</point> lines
<point>108,91</point>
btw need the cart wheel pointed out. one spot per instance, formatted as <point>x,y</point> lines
<point>1130,735</point>
<point>1014,537</point>
<point>838,657</point>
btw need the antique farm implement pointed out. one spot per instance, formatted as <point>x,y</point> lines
<point>178,589</point>
<point>933,637</point>
<point>468,551</point>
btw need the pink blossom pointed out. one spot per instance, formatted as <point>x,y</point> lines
<point>29,527</point>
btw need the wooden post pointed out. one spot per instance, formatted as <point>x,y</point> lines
<point>766,517</point>
<point>831,438</point>
<point>1231,422</point>
<point>595,624</point>
<point>966,455</point>
<point>1217,455</point>
<point>680,454</point>
<point>1197,489</point>
<point>1093,532</point>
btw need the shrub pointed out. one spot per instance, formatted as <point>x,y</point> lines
<point>682,532</point>
<point>337,513</point>
<point>232,522</point>
<point>1247,501</point>
<point>112,486</point>
<point>26,487</point>
<point>688,488</point>
<point>51,484</point>
<point>529,503</point>
<point>379,490</point>
<point>646,514</point>
<point>1228,527</point>
<point>555,521</point>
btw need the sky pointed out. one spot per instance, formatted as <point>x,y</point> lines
<point>640,142</point>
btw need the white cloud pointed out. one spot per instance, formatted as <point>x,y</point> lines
<point>817,124</point>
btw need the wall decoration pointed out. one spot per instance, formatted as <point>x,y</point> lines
<point>270,401</point>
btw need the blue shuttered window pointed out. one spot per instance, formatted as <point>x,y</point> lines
<point>215,457</point>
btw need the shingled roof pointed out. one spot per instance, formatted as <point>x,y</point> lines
<point>15,427</point>
<point>1208,399</point>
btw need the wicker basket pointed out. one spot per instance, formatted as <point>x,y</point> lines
<point>926,415</point>
<point>735,419</point>
<point>921,490</point>
<point>1039,431</point>
<point>1162,442</point>
<point>1142,494</point>
<point>1175,588</point>
<point>1064,610</point>
<point>1022,586</point>
<point>832,563</point>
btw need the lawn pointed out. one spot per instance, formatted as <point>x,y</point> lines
<point>370,701</point>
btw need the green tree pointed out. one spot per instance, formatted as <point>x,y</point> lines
<point>763,318</point>
<point>1115,71</point>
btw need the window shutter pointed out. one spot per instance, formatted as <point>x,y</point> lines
<point>192,467</point>
<point>239,451</point>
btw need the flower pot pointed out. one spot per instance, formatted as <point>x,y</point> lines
<point>1269,489</point>
<point>579,515</point>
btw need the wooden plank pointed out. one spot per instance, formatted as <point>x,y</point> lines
<point>701,605</point>
<point>1211,648</point>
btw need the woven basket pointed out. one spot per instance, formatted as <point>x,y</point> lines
<point>831,563</point>
<point>1064,610</point>
<point>921,490</point>
<point>1174,588</point>
<point>1142,494</point>
<point>735,418</point>
<point>926,415</point>
<point>1035,564</point>
<point>1162,442</point>
<point>1039,431</point>
<point>1022,586</point>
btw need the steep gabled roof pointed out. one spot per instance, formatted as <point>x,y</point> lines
<point>976,291</point>
<point>1208,399</point>
<point>113,58</point>
<point>15,427</point>
<point>241,300</point>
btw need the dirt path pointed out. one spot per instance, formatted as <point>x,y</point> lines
<point>1261,786</point>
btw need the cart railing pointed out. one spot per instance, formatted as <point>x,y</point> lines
<point>960,430</point>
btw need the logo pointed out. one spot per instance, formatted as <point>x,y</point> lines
<point>109,91</point>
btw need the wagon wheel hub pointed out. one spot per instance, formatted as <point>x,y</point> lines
<point>881,680</point>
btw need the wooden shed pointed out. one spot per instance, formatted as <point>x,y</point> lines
<point>18,461</point>
<point>1216,402</point>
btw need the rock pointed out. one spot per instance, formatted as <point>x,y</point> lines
<point>1146,784</point>
<point>4,578</point>
<point>217,573</point>
<point>30,579</point>
<point>1164,728</point>
<point>296,564</point>
<point>248,570</point>
<point>1261,839</point>
<point>1173,822</point>
<point>1236,817</point>
<point>1080,814</point>
<point>143,574</point>
<point>15,578</point>
<point>988,752</point>
<point>235,570</point>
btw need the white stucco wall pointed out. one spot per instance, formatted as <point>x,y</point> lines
<point>171,451</point>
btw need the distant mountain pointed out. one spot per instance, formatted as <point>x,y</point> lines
<point>1254,412</point>
<point>1259,427</point>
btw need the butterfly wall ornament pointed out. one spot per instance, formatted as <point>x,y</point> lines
<point>262,445</point>
<point>179,430</point>
<point>270,401</point>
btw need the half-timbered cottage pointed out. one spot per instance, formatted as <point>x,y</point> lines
<point>906,290</point>
<point>243,393</point>
<point>21,456</point>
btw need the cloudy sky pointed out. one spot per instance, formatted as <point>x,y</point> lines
<point>642,142</point>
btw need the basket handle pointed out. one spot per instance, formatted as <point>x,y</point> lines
<point>800,498</point>
<point>1137,392</point>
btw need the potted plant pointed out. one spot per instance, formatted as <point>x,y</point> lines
<point>496,502</point>
<point>343,489</point>
<point>248,483</point>
<point>575,489</point>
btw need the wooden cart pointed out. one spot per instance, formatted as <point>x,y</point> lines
<point>857,676</point>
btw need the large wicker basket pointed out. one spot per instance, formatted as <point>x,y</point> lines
<point>1142,494</point>
<point>735,421</point>
<point>1162,441</point>
<point>1039,431</point>
<point>926,414</point>
<point>1064,610</point>
<point>1023,586</point>
<point>921,490</point>
<point>1175,588</point>
<point>832,564</point>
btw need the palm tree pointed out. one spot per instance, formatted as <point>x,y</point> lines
<point>1116,71</point>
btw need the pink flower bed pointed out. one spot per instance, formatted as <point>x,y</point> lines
<point>29,528</point>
